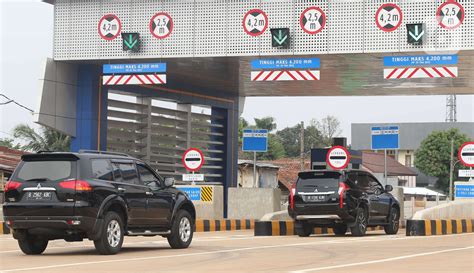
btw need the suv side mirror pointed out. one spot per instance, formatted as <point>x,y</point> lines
<point>169,182</point>
<point>388,188</point>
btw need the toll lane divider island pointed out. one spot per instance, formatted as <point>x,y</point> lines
<point>287,228</point>
<point>439,227</point>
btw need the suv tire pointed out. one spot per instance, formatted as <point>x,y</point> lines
<point>111,239</point>
<point>340,229</point>
<point>182,230</point>
<point>32,245</point>
<point>393,222</point>
<point>303,229</point>
<point>360,224</point>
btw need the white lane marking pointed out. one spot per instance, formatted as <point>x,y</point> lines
<point>205,239</point>
<point>382,260</point>
<point>358,239</point>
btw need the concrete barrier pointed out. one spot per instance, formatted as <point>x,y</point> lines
<point>252,203</point>
<point>459,209</point>
<point>438,227</point>
<point>224,225</point>
<point>208,201</point>
<point>449,218</point>
<point>287,228</point>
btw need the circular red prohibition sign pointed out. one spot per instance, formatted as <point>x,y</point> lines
<point>109,27</point>
<point>389,17</point>
<point>335,160</point>
<point>450,15</point>
<point>460,156</point>
<point>255,22</point>
<point>193,159</point>
<point>161,25</point>
<point>313,20</point>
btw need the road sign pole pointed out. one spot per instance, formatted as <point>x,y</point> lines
<point>451,170</point>
<point>470,178</point>
<point>385,166</point>
<point>193,182</point>
<point>255,169</point>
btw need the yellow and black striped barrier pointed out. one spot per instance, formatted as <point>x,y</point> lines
<point>224,225</point>
<point>287,228</point>
<point>439,227</point>
<point>207,194</point>
<point>4,228</point>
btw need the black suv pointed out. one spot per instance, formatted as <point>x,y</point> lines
<point>342,199</point>
<point>95,195</point>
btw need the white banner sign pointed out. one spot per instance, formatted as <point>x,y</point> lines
<point>188,177</point>
<point>466,173</point>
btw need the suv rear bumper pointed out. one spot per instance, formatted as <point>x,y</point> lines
<point>323,215</point>
<point>55,227</point>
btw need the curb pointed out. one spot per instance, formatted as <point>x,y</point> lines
<point>224,225</point>
<point>4,229</point>
<point>287,228</point>
<point>439,227</point>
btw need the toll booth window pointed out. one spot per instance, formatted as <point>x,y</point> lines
<point>101,169</point>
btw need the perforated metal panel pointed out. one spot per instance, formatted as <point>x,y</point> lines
<point>214,28</point>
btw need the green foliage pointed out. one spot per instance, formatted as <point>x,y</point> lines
<point>266,123</point>
<point>47,140</point>
<point>434,155</point>
<point>290,138</point>
<point>9,143</point>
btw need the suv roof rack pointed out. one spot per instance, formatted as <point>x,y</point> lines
<point>43,151</point>
<point>103,153</point>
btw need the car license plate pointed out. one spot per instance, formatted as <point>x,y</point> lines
<point>39,195</point>
<point>316,198</point>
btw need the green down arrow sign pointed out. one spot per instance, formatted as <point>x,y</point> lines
<point>280,37</point>
<point>131,41</point>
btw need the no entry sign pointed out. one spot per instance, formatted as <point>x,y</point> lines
<point>161,25</point>
<point>450,15</point>
<point>338,158</point>
<point>109,27</point>
<point>255,22</point>
<point>312,20</point>
<point>193,159</point>
<point>466,154</point>
<point>388,17</point>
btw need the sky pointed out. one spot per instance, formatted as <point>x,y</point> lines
<point>26,43</point>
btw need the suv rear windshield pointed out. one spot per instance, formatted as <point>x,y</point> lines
<point>309,181</point>
<point>46,170</point>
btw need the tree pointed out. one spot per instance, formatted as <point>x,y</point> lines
<point>290,138</point>
<point>275,149</point>
<point>9,143</point>
<point>243,124</point>
<point>47,140</point>
<point>433,156</point>
<point>329,127</point>
<point>265,123</point>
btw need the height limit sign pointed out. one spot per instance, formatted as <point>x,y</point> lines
<point>450,15</point>
<point>255,22</point>
<point>388,17</point>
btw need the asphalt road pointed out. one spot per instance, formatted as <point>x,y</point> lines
<point>240,251</point>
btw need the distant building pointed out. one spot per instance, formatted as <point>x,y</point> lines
<point>267,175</point>
<point>411,136</point>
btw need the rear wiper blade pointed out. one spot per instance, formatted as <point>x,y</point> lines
<point>38,180</point>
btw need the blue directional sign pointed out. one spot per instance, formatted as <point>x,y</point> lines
<point>385,137</point>
<point>464,191</point>
<point>290,63</point>
<point>420,60</point>
<point>134,68</point>
<point>255,140</point>
<point>193,193</point>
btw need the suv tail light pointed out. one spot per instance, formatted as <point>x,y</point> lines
<point>77,185</point>
<point>342,190</point>
<point>12,185</point>
<point>292,196</point>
